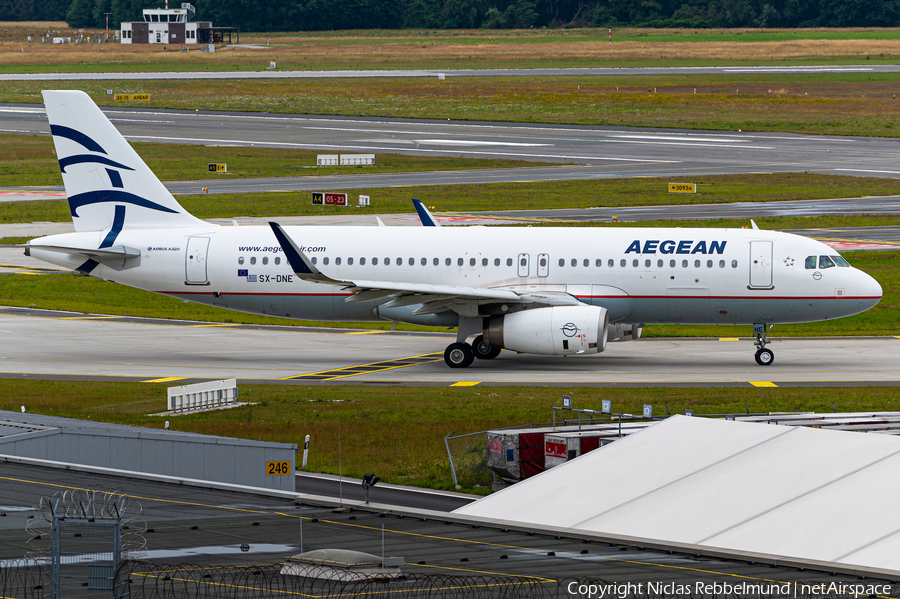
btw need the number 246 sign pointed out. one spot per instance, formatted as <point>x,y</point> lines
<point>278,468</point>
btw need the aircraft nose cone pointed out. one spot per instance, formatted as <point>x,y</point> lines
<point>869,291</point>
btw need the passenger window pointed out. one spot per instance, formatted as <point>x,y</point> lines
<point>810,262</point>
<point>374,261</point>
<point>399,261</point>
<point>646,263</point>
<point>623,262</point>
<point>496,261</point>
<point>839,260</point>
<point>314,259</point>
<point>448,261</point>
<point>509,261</point>
<point>671,264</point>
<point>387,261</point>
<point>696,264</point>
<point>265,259</point>
<point>721,264</point>
<point>562,262</point>
<point>412,261</point>
<point>484,261</point>
<point>523,262</point>
<point>709,264</point>
<point>574,262</point>
<point>436,261</point>
<point>277,259</point>
<point>241,260</point>
<point>471,261</point>
<point>543,262</point>
<point>734,264</point>
<point>424,261</point>
<point>349,261</point>
<point>362,261</point>
<point>253,260</point>
<point>684,263</point>
<point>599,263</point>
<point>587,262</point>
<point>337,261</point>
<point>659,263</point>
<point>635,262</point>
<point>611,263</point>
<point>459,262</point>
<point>324,260</point>
<point>825,262</point>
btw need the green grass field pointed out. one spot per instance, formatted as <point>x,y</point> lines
<point>515,196</point>
<point>77,293</point>
<point>398,432</point>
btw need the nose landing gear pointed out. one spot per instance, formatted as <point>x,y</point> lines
<point>764,356</point>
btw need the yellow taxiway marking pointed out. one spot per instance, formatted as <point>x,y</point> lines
<point>339,373</point>
<point>210,326</point>
<point>166,379</point>
<point>466,384</point>
<point>762,383</point>
<point>363,332</point>
<point>729,338</point>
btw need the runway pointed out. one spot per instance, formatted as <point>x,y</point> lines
<point>606,152</point>
<point>68,346</point>
<point>419,73</point>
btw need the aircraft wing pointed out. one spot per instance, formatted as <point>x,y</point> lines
<point>368,290</point>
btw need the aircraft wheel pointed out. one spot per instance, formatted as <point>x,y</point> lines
<point>459,355</point>
<point>765,357</point>
<point>482,350</point>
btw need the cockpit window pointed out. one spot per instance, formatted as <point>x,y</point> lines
<point>825,262</point>
<point>810,262</point>
<point>840,261</point>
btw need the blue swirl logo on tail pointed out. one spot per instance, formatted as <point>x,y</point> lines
<point>113,195</point>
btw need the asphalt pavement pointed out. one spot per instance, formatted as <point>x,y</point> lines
<point>605,151</point>
<point>418,73</point>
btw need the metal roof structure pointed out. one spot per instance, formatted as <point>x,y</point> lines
<point>825,498</point>
<point>207,528</point>
<point>145,450</point>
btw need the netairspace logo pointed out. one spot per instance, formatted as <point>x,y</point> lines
<point>754,590</point>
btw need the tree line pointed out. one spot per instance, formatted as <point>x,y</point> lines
<point>323,15</point>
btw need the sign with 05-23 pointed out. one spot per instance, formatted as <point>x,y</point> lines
<point>278,468</point>
<point>682,188</point>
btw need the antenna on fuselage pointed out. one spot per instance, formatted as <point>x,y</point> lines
<point>753,222</point>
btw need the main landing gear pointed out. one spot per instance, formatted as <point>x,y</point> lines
<point>764,356</point>
<point>461,354</point>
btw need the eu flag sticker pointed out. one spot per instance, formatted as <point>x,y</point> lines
<point>242,272</point>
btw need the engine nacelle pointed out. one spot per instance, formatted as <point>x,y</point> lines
<point>553,331</point>
<point>624,332</point>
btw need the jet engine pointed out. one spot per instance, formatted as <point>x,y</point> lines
<point>623,332</point>
<point>553,331</point>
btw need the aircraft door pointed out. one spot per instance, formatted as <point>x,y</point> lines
<point>761,264</point>
<point>524,259</point>
<point>543,268</point>
<point>195,261</point>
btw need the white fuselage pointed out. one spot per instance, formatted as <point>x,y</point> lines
<point>640,275</point>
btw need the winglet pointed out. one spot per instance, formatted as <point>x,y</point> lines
<point>300,262</point>
<point>425,216</point>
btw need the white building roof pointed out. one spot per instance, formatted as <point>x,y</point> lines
<point>788,492</point>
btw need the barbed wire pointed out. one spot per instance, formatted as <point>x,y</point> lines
<point>92,506</point>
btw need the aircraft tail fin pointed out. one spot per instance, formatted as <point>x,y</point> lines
<point>108,185</point>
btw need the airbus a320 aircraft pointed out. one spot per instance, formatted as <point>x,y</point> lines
<point>548,291</point>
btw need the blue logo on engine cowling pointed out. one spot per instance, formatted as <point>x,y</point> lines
<point>670,246</point>
<point>570,329</point>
